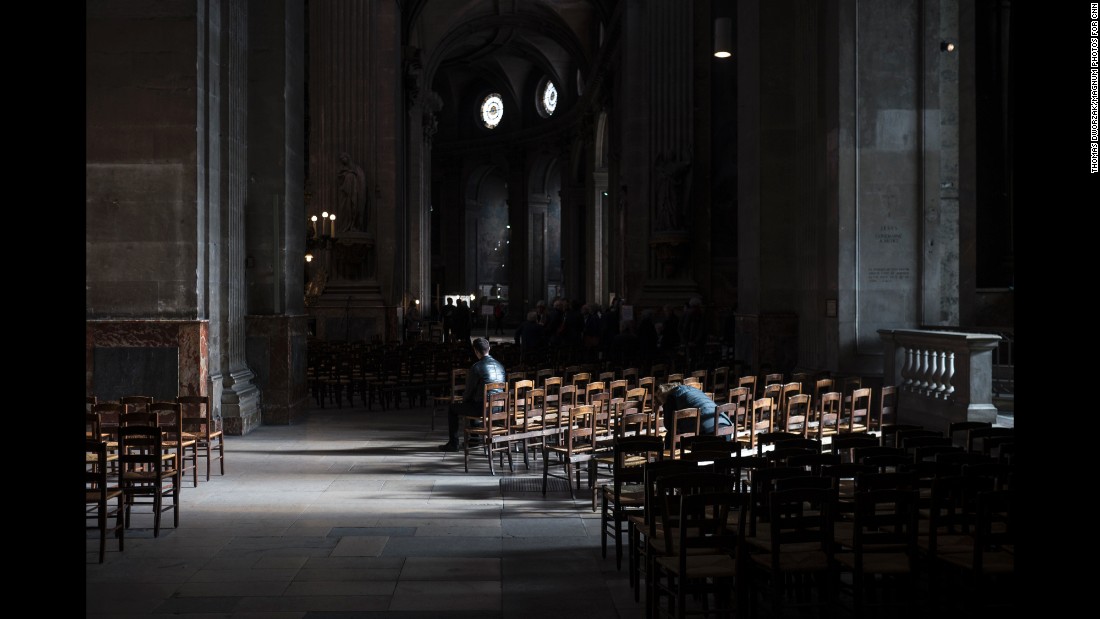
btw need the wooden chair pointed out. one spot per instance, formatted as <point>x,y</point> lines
<point>984,572</point>
<point>798,413</point>
<point>631,376</point>
<point>761,420</point>
<point>136,402</point>
<point>519,420</point>
<point>773,379</point>
<point>146,476</point>
<point>843,445</point>
<point>98,495</point>
<point>455,391</point>
<point>720,384</point>
<point>801,552</point>
<point>200,423</point>
<point>642,527</point>
<point>858,416</point>
<point>492,423</point>
<point>887,408</point>
<point>665,503</point>
<point>577,447</point>
<point>979,440</point>
<point>828,415</point>
<point>889,435</point>
<point>706,555</point>
<point>821,386</point>
<point>959,431</point>
<point>176,441</point>
<point>750,382</point>
<point>625,494</point>
<point>785,392</point>
<point>685,423</point>
<point>881,553</point>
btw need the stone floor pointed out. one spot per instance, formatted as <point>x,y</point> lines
<point>355,513</point>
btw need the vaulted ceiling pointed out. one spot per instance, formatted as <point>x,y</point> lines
<point>468,48</point>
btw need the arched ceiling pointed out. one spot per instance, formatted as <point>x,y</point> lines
<point>465,45</point>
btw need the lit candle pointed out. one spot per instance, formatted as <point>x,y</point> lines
<point>314,220</point>
<point>324,217</point>
<point>332,217</point>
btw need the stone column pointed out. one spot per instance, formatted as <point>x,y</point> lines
<point>227,134</point>
<point>277,221</point>
<point>669,76</point>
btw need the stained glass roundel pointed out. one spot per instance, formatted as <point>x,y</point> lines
<point>492,109</point>
<point>549,98</point>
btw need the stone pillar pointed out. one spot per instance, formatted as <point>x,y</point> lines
<point>669,75</point>
<point>277,221</point>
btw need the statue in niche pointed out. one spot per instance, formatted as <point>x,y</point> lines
<point>351,196</point>
<point>673,190</point>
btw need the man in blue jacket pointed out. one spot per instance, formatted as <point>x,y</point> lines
<point>674,396</point>
<point>485,370</point>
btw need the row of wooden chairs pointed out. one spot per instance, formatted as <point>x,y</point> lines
<point>879,529</point>
<point>137,451</point>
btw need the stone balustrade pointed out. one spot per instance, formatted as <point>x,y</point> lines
<point>941,376</point>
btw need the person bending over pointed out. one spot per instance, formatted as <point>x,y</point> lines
<point>485,370</point>
<point>675,396</point>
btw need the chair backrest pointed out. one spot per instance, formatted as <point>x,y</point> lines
<point>685,423</point>
<point>670,487</point>
<point>632,454</point>
<point>762,418</point>
<point>109,415</point>
<point>885,521</point>
<point>788,390</point>
<point>828,414</point>
<point>618,388</point>
<point>887,406</point>
<point>630,375</point>
<point>859,411</point>
<point>797,414</point>
<point>844,444</point>
<point>750,382</point>
<point>720,382</point>
<point>822,385</point>
<point>953,507</point>
<point>141,448</point>
<point>979,439</point>
<point>136,402</point>
<point>801,516</point>
<point>591,388</point>
<point>457,387</point>
<point>959,431</point>
<point>518,395</point>
<point>169,416</point>
<point>729,410</point>
<point>580,431</point>
<point>634,421</point>
<point>198,417</point>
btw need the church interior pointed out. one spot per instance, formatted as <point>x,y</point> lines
<point>826,187</point>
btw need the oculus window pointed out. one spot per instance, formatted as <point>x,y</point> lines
<point>548,98</point>
<point>492,109</point>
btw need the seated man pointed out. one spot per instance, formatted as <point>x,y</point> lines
<point>674,396</point>
<point>485,370</point>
